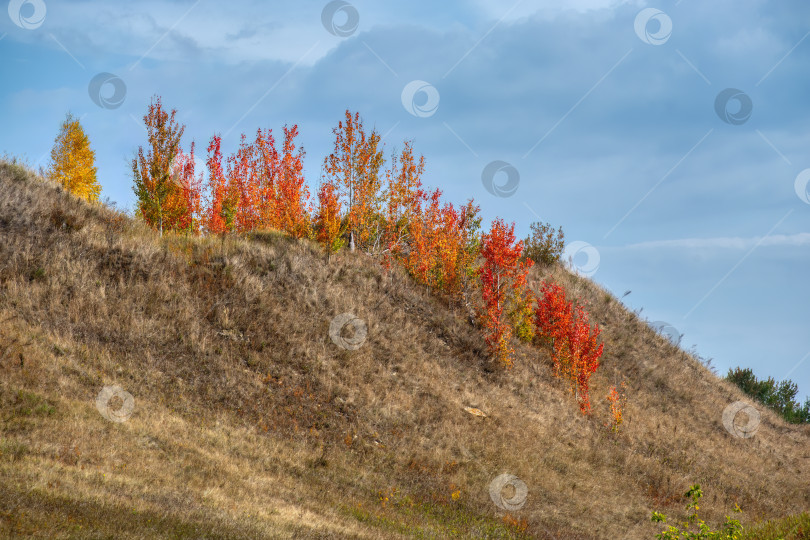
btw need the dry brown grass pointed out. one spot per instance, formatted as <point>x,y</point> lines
<point>249,422</point>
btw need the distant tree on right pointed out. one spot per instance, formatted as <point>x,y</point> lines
<point>777,395</point>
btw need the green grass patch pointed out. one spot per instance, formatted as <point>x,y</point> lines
<point>789,528</point>
<point>11,450</point>
<point>418,518</point>
<point>30,404</point>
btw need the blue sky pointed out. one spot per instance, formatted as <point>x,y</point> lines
<point>612,118</point>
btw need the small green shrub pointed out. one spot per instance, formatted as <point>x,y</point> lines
<point>14,168</point>
<point>544,245</point>
<point>732,529</point>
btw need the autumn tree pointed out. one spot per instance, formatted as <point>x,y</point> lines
<point>520,301</point>
<point>188,198</point>
<point>573,340</point>
<point>327,224</point>
<point>220,209</point>
<point>435,241</point>
<point>73,161</point>
<point>260,188</point>
<point>355,166</point>
<point>243,187</point>
<point>502,271</point>
<point>441,246</point>
<point>267,166</point>
<point>364,214</point>
<point>157,194</point>
<point>419,257</point>
<point>454,240</point>
<point>292,195</point>
<point>403,197</point>
<point>469,247</point>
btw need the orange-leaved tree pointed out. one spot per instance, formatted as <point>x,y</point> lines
<point>420,257</point>
<point>327,222</point>
<point>292,196</point>
<point>355,166</point>
<point>266,167</point>
<point>403,199</point>
<point>243,187</point>
<point>442,245</point>
<point>617,402</point>
<point>501,271</point>
<point>190,184</point>
<point>159,197</point>
<point>73,161</point>
<point>468,246</point>
<point>457,247</point>
<point>436,242</point>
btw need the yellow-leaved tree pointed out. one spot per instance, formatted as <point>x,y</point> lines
<point>73,161</point>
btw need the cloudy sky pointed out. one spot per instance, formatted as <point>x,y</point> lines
<point>669,139</point>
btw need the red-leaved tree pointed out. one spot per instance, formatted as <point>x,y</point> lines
<point>220,204</point>
<point>575,350</point>
<point>501,271</point>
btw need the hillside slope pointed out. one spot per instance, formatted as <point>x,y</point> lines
<point>248,421</point>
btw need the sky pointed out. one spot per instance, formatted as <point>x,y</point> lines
<point>669,139</point>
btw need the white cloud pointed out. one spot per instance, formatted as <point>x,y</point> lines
<point>252,30</point>
<point>778,240</point>
<point>545,8</point>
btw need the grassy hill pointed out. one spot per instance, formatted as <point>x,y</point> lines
<point>248,421</point>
